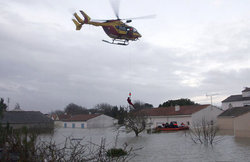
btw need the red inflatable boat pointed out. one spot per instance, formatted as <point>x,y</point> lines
<point>173,129</point>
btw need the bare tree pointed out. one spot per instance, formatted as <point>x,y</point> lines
<point>3,107</point>
<point>204,132</point>
<point>22,145</point>
<point>136,121</point>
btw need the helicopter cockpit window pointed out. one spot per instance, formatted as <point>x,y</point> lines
<point>121,28</point>
<point>129,29</point>
<point>134,30</point>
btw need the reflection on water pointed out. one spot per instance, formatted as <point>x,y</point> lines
<point>163,147</point>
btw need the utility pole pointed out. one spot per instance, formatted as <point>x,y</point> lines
<point>211,97</point>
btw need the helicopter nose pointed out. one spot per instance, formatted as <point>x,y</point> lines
<point>138,35</point>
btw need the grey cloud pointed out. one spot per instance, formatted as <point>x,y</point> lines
<point>45,66</point>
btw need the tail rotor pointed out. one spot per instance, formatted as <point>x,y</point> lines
<point>79,22</point>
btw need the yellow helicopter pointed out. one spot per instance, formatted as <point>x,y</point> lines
<point>120,32</point>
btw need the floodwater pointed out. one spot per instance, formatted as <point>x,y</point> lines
<point>165,147</point>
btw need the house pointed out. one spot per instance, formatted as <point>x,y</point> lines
<point>190,115</point>
<point>235,120</point>
<point>58,119</point>
<point>54,117</point>
<point>237,100</point>
<point>29,119</point>
<point>88,121</point>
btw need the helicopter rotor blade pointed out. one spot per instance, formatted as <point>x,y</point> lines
<point>115,4</point>
<point>99,20</point>
<point>141,17</point>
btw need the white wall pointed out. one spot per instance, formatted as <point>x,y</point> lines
<point>101,121</point>
<point>208,114</point>
<point>158,120</point>
<point>246,94</point>
<point>225,105</point>
<point>78,124</point>
<point>58,124</point>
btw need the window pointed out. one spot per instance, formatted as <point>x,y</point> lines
<point>188,123</point>
<point>82,125</point>
<point>73,125</point>
<point>121,28</point>
<point>65,125</point>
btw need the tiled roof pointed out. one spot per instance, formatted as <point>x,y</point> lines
<point>82,117</point>
<point>236,111</point>
<point>21,117</point>
<point>64,116</point>
<point>169,111</point>
<point>236,98</point>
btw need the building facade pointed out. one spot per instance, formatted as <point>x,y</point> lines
<point>235,121</point>
<point>189,115</point>
<point>241,125</point>
<point>237,100</point>
<point>29,119</point>
<point>88,121</point>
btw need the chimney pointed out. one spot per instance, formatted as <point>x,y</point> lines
<point>177,108</point>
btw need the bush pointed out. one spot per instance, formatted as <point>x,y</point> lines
<point>116,152</point>
<point>23,145</point>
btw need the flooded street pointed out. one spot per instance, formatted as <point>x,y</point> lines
<point>162,147</point>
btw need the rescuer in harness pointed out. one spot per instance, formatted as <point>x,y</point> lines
<point>129,101</point>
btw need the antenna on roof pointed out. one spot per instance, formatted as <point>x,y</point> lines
<point>8,103</point>
<point>211,97</point>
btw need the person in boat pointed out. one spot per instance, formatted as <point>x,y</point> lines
<point>175,125</point>
<point>171,125</point>
<point>159,126</point>
<point>182,125</point>
<point>166,125</point>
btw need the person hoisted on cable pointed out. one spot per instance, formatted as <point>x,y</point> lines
<point>129,101</point>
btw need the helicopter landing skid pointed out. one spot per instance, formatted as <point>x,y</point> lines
<point>117,42</point>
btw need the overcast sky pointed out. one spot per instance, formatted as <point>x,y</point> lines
<point>192,48</point>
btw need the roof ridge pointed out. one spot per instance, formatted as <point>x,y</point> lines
<point>235,111</point>
<point>168,111</point>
